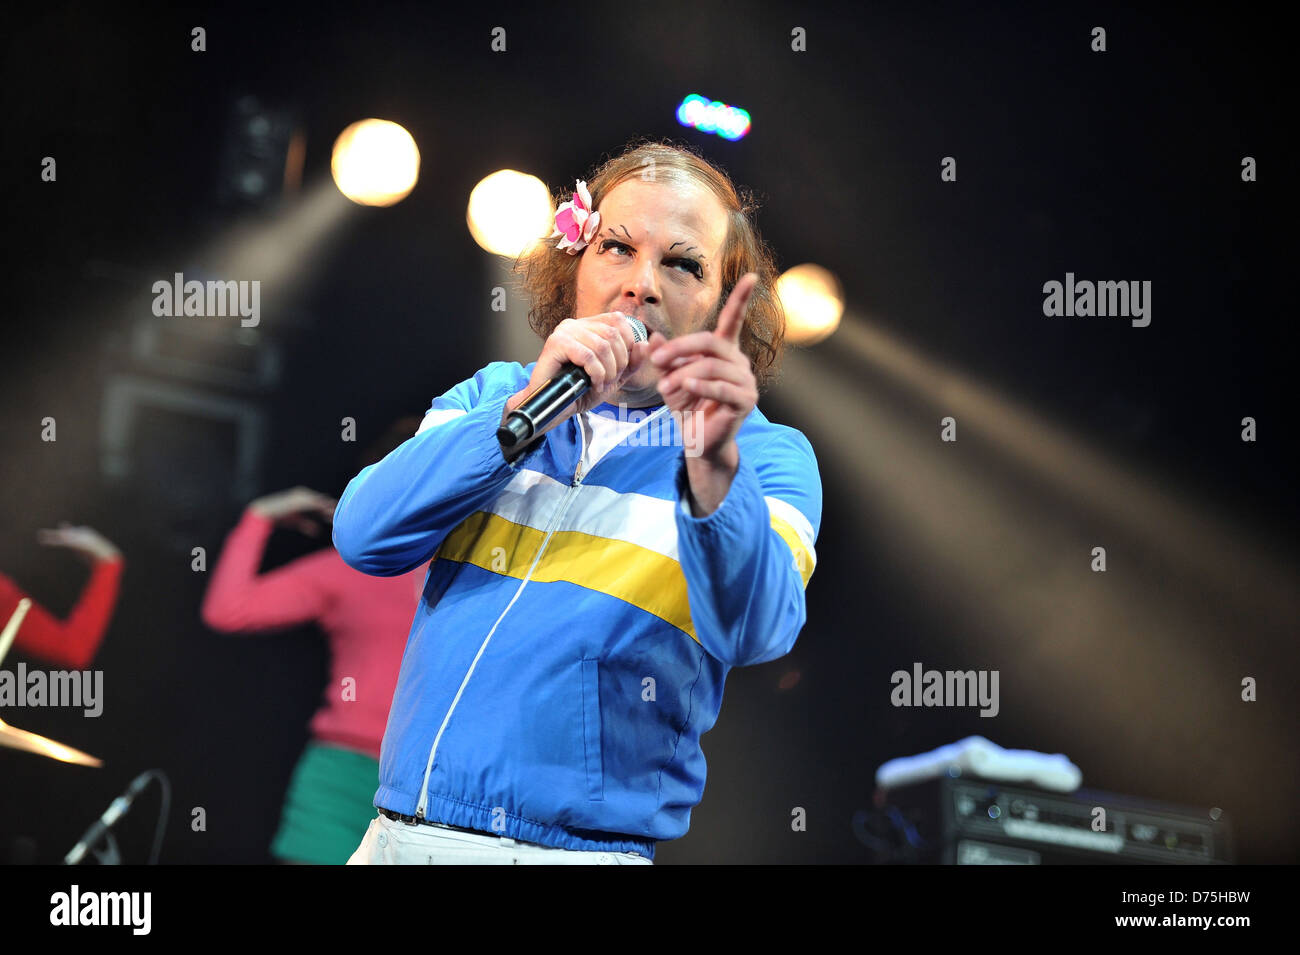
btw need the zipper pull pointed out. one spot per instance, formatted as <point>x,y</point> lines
<point>581,421</point>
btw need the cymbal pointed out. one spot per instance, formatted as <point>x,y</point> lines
<point>13,738</point>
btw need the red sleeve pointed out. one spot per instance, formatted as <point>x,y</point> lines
<point>70,643</point>
<point>238,600</point>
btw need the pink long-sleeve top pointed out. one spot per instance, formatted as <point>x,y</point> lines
<point>366,619</point>
<point>73,642</point>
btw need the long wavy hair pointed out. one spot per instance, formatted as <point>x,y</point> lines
<point>549,275</point>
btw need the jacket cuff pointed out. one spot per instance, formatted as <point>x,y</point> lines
<point>744,497</point>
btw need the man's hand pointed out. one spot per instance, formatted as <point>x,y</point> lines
<point>708,379</point>
<point>292,508</point>
<point>601,345</point>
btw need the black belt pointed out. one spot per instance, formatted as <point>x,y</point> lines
<point>417,821</point>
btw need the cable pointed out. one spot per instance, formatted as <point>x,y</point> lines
<point>164,810</point>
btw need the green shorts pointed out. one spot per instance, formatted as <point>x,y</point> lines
<point>328,807</point>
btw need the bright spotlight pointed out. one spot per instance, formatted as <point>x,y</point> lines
<point>375,163</point>
<point>813,302</point>
<point>509,211</point>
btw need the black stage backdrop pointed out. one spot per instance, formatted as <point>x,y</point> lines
<point>1117,165</point>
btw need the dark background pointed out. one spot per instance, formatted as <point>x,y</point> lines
<point>1118,165</point>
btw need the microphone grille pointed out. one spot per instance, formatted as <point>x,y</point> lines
<point>638,329</point>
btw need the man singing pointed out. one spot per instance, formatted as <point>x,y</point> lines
<point>590,592</point>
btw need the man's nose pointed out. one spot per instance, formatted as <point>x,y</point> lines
<point>643,286</point>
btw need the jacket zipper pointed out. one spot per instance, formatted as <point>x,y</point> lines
<point>564,506</point>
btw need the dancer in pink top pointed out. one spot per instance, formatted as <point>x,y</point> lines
<point>366,620</point>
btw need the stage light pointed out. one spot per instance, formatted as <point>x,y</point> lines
<point>509,211</point>
<point>710,116</point>
<point>261,155</point>
<point>375,163</point>
<point>813,302</point>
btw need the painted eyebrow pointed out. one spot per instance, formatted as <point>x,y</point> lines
<point>670,248</point>
<point>687,249</point>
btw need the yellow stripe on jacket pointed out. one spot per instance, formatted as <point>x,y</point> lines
<point>641,577</point>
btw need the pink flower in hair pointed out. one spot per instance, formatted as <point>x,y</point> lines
<point>575,222</point>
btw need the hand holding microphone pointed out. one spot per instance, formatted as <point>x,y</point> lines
<point>587,359</point>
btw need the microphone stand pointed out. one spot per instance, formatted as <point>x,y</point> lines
<point>101,829</point>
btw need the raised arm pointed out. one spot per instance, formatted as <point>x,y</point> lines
<point>748,562</point>
<point>239,599</point>
<point>71,643</point>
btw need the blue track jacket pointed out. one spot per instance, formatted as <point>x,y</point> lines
<point>577,623</point>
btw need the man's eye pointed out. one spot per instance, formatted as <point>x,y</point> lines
<point>691,265</point>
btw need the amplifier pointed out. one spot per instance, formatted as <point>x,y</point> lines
<point>971,821</point>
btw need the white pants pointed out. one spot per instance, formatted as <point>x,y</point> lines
<point>389,842</point>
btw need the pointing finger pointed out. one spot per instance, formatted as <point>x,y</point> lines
<point>732,317</point>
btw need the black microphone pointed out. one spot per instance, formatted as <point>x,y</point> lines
<point>116,809</point>
<point>548,399</point>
